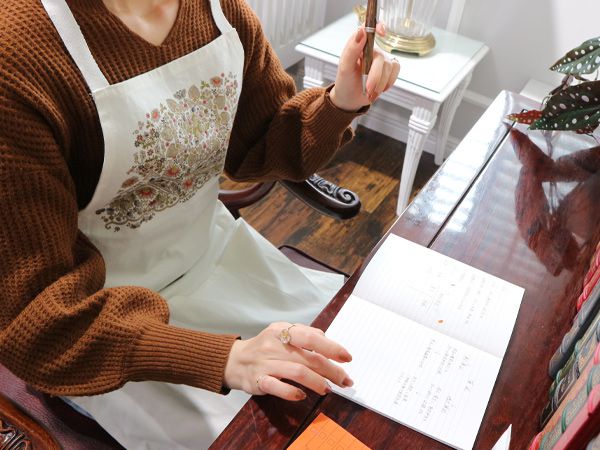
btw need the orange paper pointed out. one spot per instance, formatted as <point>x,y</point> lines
<point>324,434</point>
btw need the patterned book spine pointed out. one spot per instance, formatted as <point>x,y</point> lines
<point>594,264</point>
<point>588,288</point>
<point>535,442</point>
<point>573,407</point>
<point>586,354</point>
<point>589,340</point>
<point>582,322</point>
<point>563,371</point>
<point>583,423</point>
<point>578,394</point>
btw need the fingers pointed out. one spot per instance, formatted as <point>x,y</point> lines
<point>385,76</point>
<point>394,75</point>
<point>258,365</point>
<point>271,385</point>
<point>380,28</point>
<point>382,75</point>
<point>324,367</point>
<point>300,374</point>
<point>309,338</point>
<point>375,75</point>
<point>352,52</point>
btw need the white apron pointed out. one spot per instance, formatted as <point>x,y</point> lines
<point>157,222</point>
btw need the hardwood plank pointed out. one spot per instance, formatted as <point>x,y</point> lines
<point>370,166</point>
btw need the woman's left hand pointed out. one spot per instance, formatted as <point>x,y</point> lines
<point>347,92</point>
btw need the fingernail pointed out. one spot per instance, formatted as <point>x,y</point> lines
<point>328,390</point>
<point>345,356</point>
<point>347,382</point>
<point>359,35</point>
<point>300,394</point>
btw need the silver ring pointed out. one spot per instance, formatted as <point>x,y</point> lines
<point>370,29</point>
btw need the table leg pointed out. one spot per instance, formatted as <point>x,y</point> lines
<point>421,122</point>
<point>313,73</point>
<point>446,117</point>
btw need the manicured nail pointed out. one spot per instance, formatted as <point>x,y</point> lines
<point>347,382</point>
<point>328,390</point>
<point>345,356</point>
<point>300,394</point>
<point>359,35</point>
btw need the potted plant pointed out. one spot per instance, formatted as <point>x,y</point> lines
<point>575,104</point>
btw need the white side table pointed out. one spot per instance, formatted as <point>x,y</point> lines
<point>425,84</point>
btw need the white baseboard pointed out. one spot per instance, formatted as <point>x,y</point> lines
<point>477,99</point>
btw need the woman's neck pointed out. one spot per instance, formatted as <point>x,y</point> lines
<point>152,20</point>
<point>136,7</point>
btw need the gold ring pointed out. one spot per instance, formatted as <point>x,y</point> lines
<point>284,335</point>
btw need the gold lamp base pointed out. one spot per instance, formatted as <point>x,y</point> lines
<point>395,43</point>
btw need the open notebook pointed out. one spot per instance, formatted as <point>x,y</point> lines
<point>427,335</point>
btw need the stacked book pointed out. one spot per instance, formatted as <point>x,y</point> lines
<point>571,418</point>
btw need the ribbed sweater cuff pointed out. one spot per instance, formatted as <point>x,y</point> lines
<point>332,116</point>
<point>178,355</point>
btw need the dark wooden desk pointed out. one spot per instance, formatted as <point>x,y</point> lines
<point>487,207</point>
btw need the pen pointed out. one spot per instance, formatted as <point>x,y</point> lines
<point>370,24</point>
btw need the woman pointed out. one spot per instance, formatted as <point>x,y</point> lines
<point>118,262</point>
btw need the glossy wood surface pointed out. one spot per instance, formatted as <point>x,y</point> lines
<point>500,204</point>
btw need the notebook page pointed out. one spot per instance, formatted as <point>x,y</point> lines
<point>442,294</point>
<point>413,375</point>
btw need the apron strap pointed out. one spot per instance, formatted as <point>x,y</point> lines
<point>71,35</point>
<point>219,18</point>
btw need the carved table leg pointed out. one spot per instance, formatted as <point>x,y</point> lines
<point>313,73</point>
<point>19,431</point>
<point>11,438</point>
<point>421,122</point>
<point>446,117</point>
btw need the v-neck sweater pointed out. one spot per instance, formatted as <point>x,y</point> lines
<point>60,330</point>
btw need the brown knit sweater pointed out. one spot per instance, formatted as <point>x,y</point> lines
<point>59,329</point>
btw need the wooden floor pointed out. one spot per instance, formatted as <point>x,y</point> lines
<point>370,165</point>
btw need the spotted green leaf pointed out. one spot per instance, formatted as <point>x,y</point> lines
<point>584,59</point>
<point>574,108</point>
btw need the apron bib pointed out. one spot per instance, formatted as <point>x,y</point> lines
<point>157,222</point>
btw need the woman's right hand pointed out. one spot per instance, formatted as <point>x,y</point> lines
<point>258,365</point>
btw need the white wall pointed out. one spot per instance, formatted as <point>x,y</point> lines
<point>525,37</point>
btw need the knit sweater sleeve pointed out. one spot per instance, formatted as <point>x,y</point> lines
<point>60,331</point>
<point>278,134</point>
